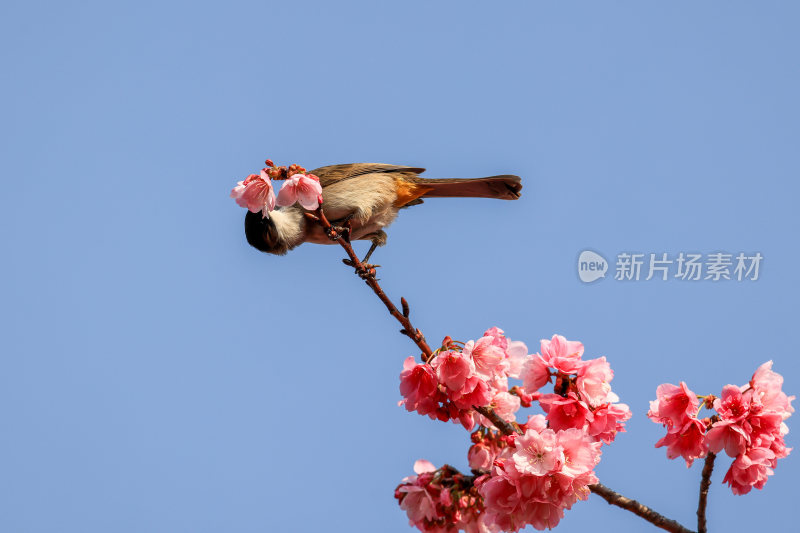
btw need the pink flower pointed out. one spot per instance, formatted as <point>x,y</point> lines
<point>445,498</point>
<point>542,515</point>
<point>593,382</point>
<point>607,420</point>
<point>501,499</point>
<point>498,337</point>
<point>475,393</point>
<point>727,434</point>
<point>417,503</point>
<point>475,524</point>
<point>767,385</point>
<point>534,374</point>
<point>453,369</point>
<point>581,452</point>
<point>778,447</point>
<point>301,188</point>
<point>561,354</point>
<point>480,457</point>
<point>688,442</point>
<point>517,352</point>
<point>417,385</point>
<point>497,384</point>
<point>506,405</point>
<point>764,425</point>
<point>674,407</point>
<point>565,413</point>
<point>422,466</point>
<point>538,453</point>
<point>537,422</point>
<point>467,419</point>
<point>441,501</point>
<point>546,473</point>
<point>750,470</point>
<point>732,405</point>
<point>255,193</point>
<point>489,358</point>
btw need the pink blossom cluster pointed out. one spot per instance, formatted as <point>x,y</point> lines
<point>748,425</point>
<point>487,445</point>
<point>539,475</point>
<point>533,477</point>
<point>462,376</point>
<point>582,397</point>
<point>476,375</point>
<point>441,500</point>
<point>256,192</point>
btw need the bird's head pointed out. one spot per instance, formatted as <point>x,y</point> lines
<point>274,235</point>
<point>262,234</point>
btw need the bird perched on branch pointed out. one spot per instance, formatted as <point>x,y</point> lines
<point>365,198</point>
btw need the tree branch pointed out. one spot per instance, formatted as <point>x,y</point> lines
<point>705,483</point>
<point>369,278</point>
<point>497,420</point>
<point>658,520</point>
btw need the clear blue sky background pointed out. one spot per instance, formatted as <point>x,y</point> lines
<point>158,375</point>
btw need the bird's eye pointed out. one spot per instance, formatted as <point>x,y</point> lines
<point>270,233</point>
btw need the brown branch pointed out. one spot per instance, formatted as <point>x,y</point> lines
<point>505,427</point>
<point>658,520</point>
<point>497,420</point>
<point>705,483</point>
<point>369,278</point>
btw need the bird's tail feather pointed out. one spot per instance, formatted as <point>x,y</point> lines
<point>504,187</point>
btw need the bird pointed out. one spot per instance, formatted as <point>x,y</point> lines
<point>365,198</point>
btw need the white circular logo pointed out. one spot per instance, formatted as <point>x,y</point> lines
<point>591,266</point>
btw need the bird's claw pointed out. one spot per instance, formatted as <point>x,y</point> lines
<point>364,270</point>
<point>344,229</point>
<point>334,233</point>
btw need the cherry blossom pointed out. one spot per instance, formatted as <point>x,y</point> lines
<point>687,442</point>
<point>255,193</point>
<point>748,425</point>
<point>547,473</point>
<point>593,382</point>
<point>561,354</point>
<point>304,189</point>
<point>534,373</point>
<point>674,406</point>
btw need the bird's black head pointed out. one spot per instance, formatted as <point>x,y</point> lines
<point>262,234</point>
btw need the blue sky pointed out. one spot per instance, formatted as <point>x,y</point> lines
<point>159,375</point>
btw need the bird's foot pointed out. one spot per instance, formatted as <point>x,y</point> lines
<point>334,233</point>
<point>342,228</point>
<point>364,270</point>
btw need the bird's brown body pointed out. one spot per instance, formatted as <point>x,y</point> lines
<point>370,195</point>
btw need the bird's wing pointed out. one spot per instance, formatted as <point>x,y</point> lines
<point>334,173</point>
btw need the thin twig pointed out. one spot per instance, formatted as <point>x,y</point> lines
<point>408,329</point>
<point>705,483</point>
